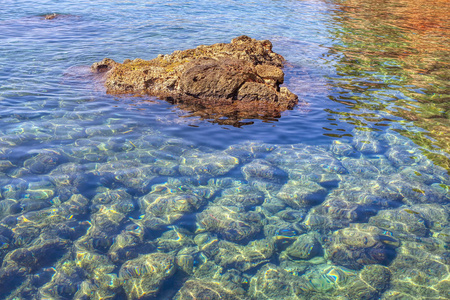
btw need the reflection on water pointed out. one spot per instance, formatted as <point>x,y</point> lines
<point>393,56</point>
<point>116,198</point>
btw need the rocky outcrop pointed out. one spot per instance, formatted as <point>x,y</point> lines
<point>241,78</point>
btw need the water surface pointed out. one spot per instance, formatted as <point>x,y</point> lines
<point>346,196</point>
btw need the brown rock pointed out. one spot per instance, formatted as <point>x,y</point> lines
<point>253,91</point>
<point>50,16</point>
<point>271,74</point>
<point>209,78</point>
<point>55,16</point>
<point>103,66</point>
<point>239,79</point>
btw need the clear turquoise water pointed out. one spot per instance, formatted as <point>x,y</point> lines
<point>339,163</point>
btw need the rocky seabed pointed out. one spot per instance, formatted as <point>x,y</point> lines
<point>118,211</point>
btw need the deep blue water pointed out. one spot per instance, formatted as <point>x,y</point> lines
<point>330,173</point>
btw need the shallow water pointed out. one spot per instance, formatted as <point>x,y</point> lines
<point>344,197</point>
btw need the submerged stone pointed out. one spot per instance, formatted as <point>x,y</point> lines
<point>355,200</point>
<point>367,144</point>
<point>207,243</point>
<point>356,247</point>
<point>314,282</point>
<point>305,247</point>
<point>44,161</point>
<point>419,274</point>
<point>401,220</point>
<point>129,173</point>
<point>170,207</point>
<point>14,189</point>
<point>205,289</point>
<point>404,156</point>
<point>168,202</point>
<point>292,215</point>
<point>372,281</point>
<point>308,163</point>
<point>341,211</point>
<point>302,194</point>
<point>419,174</point>
<point>143,276</point>
<point>5,165</point>
<point>196,163</point>
<point>212,282</point>
<point>243,258</point>
<point>244,195</point>
<point>264,176</point>
<point>129,243</point>
<point>272,282</point>
<point>417,192</point>
<point>250,150</point>
<point>64,283</point>
<point>383,165</point>
<point>174,240</point>
<point>231,222</point>
<point>361,167</point>
<point>100,278</point>
<point>111,196</point>
<point>23,262</point>
<point>339,148</point>
<point>319,222</point>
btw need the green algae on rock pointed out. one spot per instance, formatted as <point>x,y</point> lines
<point>242,77</point>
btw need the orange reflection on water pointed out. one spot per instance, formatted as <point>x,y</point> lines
<point>399,50</point>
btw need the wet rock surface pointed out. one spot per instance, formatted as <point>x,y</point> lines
<point>239,80</point>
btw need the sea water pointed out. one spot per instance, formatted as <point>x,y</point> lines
<point>345,196</point>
